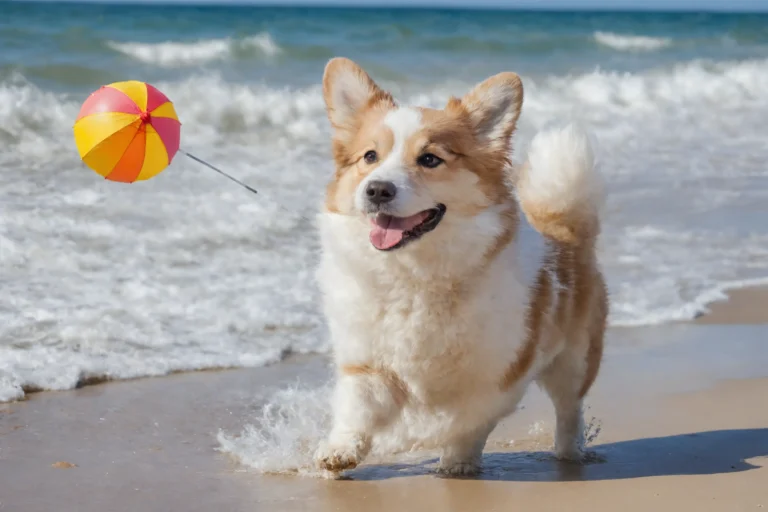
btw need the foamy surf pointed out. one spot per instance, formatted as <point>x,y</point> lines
<point>628,42</point>
<point>207,103</point>
<point>283,437</point>
<point>48,368</point>
<point>649,313</point>
<point>178,54</point>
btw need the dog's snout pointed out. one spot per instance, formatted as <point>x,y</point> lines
<point>380,192</point>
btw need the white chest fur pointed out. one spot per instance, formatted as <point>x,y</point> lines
<point>438,333</point>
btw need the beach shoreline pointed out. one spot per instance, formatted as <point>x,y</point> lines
<point>747,305</point>
<point>151,444</point>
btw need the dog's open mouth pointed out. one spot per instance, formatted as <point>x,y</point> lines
<point>389,232</point>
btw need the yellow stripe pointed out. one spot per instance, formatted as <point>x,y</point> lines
<point>165,110</point>
<point>92,130</point>
<point>155,158</point>
<point>135,90</point>
<point>104,156</point>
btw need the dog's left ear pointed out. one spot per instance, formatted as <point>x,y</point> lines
<point>348,91</point>
<point>493,107</point>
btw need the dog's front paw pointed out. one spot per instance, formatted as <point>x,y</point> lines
<point>452,469</point>
<point>337,457</point>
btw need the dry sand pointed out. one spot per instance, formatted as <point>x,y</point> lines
<point>683,408</point>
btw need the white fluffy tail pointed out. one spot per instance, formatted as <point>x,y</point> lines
<point>560,190</point>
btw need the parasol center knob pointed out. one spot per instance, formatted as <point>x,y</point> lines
<point>144,116</point>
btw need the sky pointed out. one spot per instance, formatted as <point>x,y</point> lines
<point>696,5</point>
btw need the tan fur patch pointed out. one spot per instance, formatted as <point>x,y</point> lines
<point>349,150</point>
<point>596,332</point>
<point>559,226</point>
<point>535,320</point>
<point>394,383</point>
<point>510,222</point>
<point>568,228</point>
<point>579,305</point>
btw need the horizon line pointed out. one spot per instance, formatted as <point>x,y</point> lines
<point>340,4</point>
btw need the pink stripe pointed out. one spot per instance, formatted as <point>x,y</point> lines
<point>154,98</point>
<point>169,131</point>
<point>108,99</point>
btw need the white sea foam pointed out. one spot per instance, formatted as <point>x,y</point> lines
<point>10,388</point>
<point>650,313</point>
<point>285,434</point>
<point>283,437</point>
<point>187,271</point>
<point>699,85</point>
<point>178,54</point>
<point>627,42</point>
<point>208,104</point>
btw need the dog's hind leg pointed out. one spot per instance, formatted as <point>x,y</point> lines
<point>562,381</point>
<point>567,380</point>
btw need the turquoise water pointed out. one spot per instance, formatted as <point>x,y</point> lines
<point>187,271</point>
<point>73,46</point>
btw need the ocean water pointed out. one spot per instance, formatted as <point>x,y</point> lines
<point>188,271</point>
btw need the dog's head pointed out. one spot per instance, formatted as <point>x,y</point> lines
<point>408,171</point>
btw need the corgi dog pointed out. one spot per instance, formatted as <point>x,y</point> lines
<point>451,280</point>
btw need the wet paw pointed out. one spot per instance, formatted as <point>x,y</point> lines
<point>458,469</point>
<point>572,454</point>
<point>336,458</point>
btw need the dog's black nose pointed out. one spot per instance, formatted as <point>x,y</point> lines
<point>380,192</point>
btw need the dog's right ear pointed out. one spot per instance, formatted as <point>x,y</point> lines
<point>493,107</point>
<point>348,90</point>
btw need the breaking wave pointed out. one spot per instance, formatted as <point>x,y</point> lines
<point>177,54</point>
<point>626,42</point>
<point>208,104</point>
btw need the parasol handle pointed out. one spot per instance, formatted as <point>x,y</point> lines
<point>214,168</point>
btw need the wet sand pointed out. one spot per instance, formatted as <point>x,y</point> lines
<point>683,416</point>
<point>744,306</point>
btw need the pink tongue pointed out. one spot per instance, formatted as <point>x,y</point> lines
<point>388,231</point>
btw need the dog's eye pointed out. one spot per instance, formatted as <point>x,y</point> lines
<point>429,160</point>
<point>370,157</point>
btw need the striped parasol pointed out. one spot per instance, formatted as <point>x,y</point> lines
<point>127,131</point>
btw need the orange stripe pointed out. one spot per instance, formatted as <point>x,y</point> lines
<point>129,166</point>
<point>94,129</point>
<point>104,157</point>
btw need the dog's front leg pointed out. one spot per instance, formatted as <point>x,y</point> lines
<point>364,400</point>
